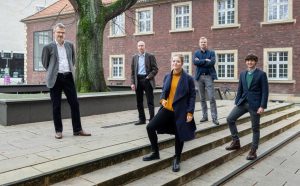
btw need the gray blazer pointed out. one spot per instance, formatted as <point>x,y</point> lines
<point>150,65</point>
<point>50,61</point>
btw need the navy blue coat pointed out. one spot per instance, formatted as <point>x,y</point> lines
<point>258,92</point>
<point>183,103</point>
<point>209,54</point>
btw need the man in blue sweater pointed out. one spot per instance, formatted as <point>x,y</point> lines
<point>204,60</point>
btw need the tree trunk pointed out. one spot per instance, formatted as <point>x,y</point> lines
<point>93,16</point>
<point>89,68</point>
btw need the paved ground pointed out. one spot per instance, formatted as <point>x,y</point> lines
<point>281,168</point>
<point>22,146</point>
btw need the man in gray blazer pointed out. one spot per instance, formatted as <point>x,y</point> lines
<point>58,58</point>
<point>143,71</point>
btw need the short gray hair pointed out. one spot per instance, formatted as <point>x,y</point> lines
<point>59,25</point>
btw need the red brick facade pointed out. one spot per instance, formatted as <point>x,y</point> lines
<point>251,36</point>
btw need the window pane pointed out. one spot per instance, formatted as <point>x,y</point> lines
<point>226,11</point>
<point>182,17</point>
<point>144,22</point>
<point>40,40</point>
<point>226,65</point>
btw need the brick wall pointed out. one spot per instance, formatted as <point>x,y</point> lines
<point>250,37</point>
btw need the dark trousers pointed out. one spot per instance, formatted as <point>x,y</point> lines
<point>144,85</point>
<point>237,112</point>
<point>65,83</point>
<point>164,118</point>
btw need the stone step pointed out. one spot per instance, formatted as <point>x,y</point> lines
<point>135,168</point>
<point>211,177</point>
<point>88,161</point>
<point>204,162</point>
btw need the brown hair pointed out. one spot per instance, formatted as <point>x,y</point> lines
<point>251,57</point>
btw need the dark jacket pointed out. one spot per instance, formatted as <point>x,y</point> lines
<point>258,92</point>
<point>183,103</point>
<point>209,54</point>
<point>150,65</point>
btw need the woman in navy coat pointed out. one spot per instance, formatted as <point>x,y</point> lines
<point>176,114</point>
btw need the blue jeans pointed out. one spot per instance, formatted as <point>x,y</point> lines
<point>237,112</point>
<point>206,82</point>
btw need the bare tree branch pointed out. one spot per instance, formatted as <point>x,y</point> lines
<point>117,8</point>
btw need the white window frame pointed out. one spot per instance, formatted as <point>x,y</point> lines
<point>137,11</point>
<point>111,77</point>
<point>120,26</point>
<point>289,19</point>
<point>40,38</point>
<point>190,65</point>
<point>235,63</point>
<point>289,63</point>
<point>226,25</point>
<point>173,18</point>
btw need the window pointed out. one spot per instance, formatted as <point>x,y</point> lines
<point>278,11</point>
<point>117,70</point>
<point>144,24</point>
<point>40,40</point>
<point>182,17</point>
<point>117,26</point>
<point>226,62</point>
<point>187,63</point>
<point>225,14</point>
<point>278,63</point>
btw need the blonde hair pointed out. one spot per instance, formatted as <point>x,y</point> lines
<point>180,56</point>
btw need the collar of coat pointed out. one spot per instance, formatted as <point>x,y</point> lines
<point>182,87</point>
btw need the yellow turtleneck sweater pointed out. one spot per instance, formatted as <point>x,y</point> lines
<point>170,99</point>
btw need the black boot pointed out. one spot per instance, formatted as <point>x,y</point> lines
<point>152,156</point>
<point>176,165</point>
<point>252,154</point>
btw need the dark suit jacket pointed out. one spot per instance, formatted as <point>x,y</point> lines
<point>183,103</point>
<point>150,65</point>
<point>258,92</point>
<point>50,61</point>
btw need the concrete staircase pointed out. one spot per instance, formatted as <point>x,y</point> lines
<point>124,165</point>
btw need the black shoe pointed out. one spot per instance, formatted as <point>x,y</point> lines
<point>176,165</point>
<point>203,119</point>
<point>216,122</point>
<point>140,122</point>
<point>152,156</point>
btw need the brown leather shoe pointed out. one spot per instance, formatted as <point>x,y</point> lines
<point>82,133</point>
<point>58,135</point>
<point>252,154</point>
<point>235,145</point>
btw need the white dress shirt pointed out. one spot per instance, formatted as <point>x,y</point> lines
<point>63,64</point>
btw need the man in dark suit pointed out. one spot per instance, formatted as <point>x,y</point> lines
<point>58,58</point>
<point>252,97</point>
<point>143,71</point>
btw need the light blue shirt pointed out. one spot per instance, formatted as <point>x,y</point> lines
<point>141,67</point>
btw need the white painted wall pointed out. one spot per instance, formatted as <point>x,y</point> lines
<point>12,31</point>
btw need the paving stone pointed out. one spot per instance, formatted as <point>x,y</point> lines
<point>19,174</point>
<point>19,162</point>
<point>78,181</point>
